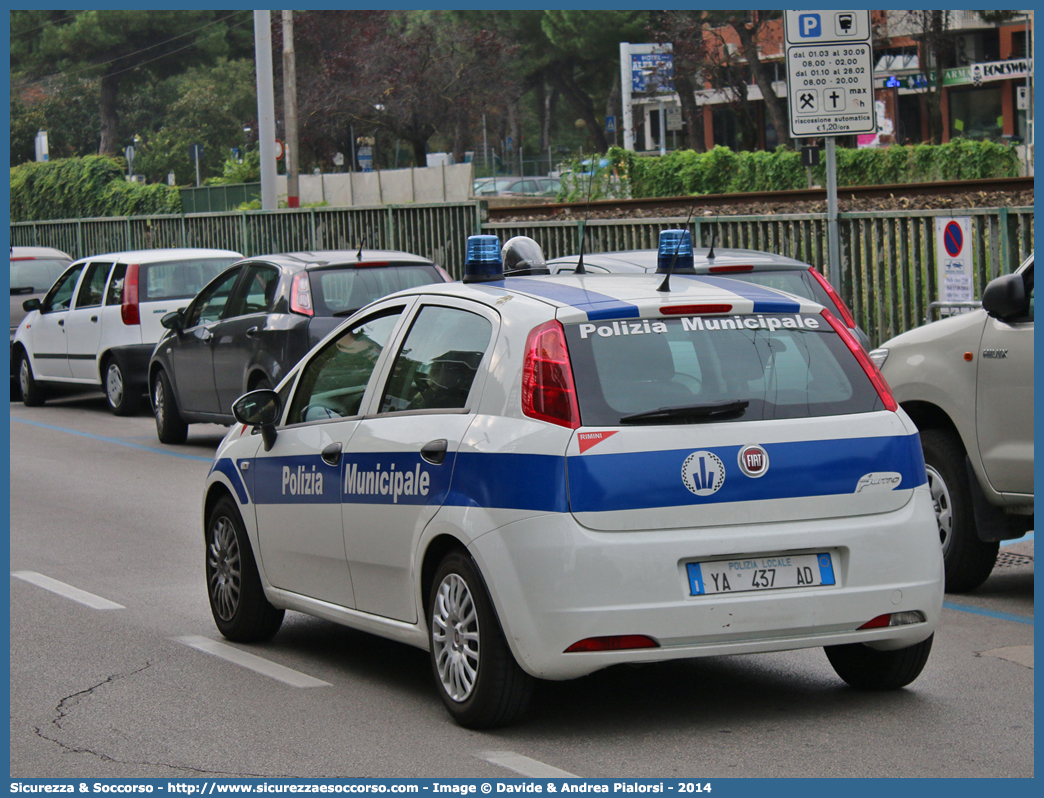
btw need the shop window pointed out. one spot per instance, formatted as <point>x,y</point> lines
<point>976,114</point>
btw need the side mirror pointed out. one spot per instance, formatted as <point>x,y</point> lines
<point>1005,297</point>
<point>31,304</point>
<point>175,320</point>
<point>259,409</point>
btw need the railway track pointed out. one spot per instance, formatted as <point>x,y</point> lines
<point>682,204</point>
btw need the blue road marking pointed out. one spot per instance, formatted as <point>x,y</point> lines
<point>1001,616</point>
<point>1027,538</point>
<point>118,441</point>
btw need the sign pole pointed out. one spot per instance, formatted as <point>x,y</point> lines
<point>833,239</point>
<point>830,92</point>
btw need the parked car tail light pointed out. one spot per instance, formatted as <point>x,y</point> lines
<point>129,310</point>
<point>871,370</point>
<point>301,295</point>
<point>614,643</point>
<point>548,390</point>
<point>846,314</point>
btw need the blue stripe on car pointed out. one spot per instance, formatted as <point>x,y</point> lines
<point>596,306</point>
<point>644,480</point>
<point>228,468</point>
<point>588,483</point>
<point>765,300</point>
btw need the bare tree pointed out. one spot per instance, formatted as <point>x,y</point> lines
<point>749,30</point>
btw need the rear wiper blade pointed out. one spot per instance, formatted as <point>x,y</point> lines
<point>704,411</point>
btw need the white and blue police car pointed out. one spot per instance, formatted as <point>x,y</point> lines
<point>537,477</point>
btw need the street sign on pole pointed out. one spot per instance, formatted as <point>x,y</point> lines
<point>830,92</point>
<point>830,73</point>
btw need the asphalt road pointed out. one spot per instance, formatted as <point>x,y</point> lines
<point>143,686</point>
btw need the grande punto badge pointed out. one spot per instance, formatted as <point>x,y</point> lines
<point>753,461</point>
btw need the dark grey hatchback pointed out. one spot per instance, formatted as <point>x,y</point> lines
<point>249,326</point>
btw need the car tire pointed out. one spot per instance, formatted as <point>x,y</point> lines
<point>170,426</point>
<point>968,561</point>
<point>867,668</point>
<point>33,394</point>
<point>122,402</point>
<point>476,674</point>
<point>237,600</point>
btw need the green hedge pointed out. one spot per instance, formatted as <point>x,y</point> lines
<point>722,171</point>
<point>80,188</point>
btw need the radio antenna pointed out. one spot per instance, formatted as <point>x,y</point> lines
<point>665,286</point>
<point>583,231</point>
<point>714,233</point>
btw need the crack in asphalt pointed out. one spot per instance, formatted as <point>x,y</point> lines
<point>66,705</point>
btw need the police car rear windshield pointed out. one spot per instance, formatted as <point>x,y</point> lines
<point>707,369</point>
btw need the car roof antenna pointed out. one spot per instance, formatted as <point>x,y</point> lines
<point>665,286</point>
<point>714,232</point>
<point>362,241</point>
<point>583,231</point>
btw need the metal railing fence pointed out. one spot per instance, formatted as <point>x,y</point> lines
<point>889,269</point>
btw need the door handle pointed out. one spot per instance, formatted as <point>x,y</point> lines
<point>206,334</point>
<point>434,451</point>
<point>332,454</point>
<point>61,322</point>
<point>94,319</point>
<point>251,332</point>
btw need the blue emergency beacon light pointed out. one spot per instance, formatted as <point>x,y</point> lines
<point>675,242</point>
<point>482,261</point>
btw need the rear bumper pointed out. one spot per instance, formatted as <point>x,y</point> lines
<point>555,583</point>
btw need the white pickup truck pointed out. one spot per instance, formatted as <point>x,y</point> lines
<point>967,382</point>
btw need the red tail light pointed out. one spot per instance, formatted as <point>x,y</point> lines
<point>129,310</point>
<point>726,269</point>
<point>846,314</point>
<point>301,295</point>
<point>548,390</point>
<point>614,643</point>
<point>693,310</point>
<point>883,390</point>
<point>878,622</point>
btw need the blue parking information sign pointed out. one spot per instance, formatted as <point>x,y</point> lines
<point>830,73</point>
<point>810,26</point>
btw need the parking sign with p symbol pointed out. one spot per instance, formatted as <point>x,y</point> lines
<point>809,26</point>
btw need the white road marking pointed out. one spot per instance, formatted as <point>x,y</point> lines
<point>68,591</point>
<point>257,664</point>
<point>1022,655</point>
<point>524,765</point>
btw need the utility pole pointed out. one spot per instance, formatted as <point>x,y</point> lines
<point>266,137</point>
<point>293,193</point>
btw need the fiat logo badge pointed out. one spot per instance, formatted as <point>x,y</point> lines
<point>753,461</point>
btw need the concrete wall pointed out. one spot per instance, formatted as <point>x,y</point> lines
<point>386,187</point>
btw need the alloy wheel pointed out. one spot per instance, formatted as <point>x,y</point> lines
<point>224,568</point>
<point>455,638</point>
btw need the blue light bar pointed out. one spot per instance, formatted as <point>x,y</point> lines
<point>482,262</point>
<point>675,242</point>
